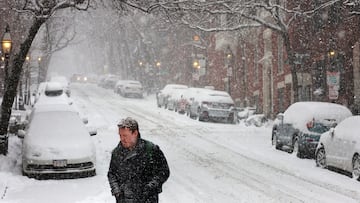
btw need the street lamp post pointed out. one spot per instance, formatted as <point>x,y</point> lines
<point>27,81</point>
<point>6,45</point>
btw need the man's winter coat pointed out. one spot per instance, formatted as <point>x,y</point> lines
<point>137,175</point>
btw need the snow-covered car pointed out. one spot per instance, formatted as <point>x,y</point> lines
<point>189,96</point>
<point>118,86</point>
<point>212,105</point>
<point>244,113</point>
<point>300,126</point>
<point>175,100</point>
<point>340,147</point>
<point>57,144</point>
<point>53,93</point>
<point>163,95</point>
<point>108,81</point>
<point>129,87</point>
<point>257,120</point>
<point>64,83</point>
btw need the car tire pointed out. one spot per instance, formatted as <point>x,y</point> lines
<point>300,154</point>
<point>356,167</point>
<point>320,158</point>
<point>4,148</point>
<point>275,142</point>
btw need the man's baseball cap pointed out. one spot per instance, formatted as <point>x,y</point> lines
<point>128,122</point>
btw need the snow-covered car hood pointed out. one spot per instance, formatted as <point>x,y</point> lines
<point>51,150</point>
<point>54,133</point>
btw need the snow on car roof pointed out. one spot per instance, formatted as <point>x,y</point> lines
<point>175,86</point>
<point>301,113</point>
<point>213,96</point>
<point>349,127</point>
<point>53,86</point>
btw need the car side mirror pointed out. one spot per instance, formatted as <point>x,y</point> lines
<point>21,134</point>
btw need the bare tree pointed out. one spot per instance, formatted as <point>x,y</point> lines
<point>235,15</point>
<point>40,12</point>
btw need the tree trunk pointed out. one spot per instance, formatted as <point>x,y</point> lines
<point>291,60</point>
<point>14,76</point>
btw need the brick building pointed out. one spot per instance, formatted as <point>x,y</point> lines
<point>326,49</point>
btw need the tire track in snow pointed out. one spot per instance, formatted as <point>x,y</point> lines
<point>259,182</point>
<point>254,180</point>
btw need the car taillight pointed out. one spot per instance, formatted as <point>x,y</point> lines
<point>309,140</point>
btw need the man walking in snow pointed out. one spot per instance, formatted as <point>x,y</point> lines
<point>138,168</point>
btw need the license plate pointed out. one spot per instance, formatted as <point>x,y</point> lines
<point>219,113</point>
<point>59,163</point>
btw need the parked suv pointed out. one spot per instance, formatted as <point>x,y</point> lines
<point>129,87</point>
<point>163,95</point>
<point>212,105</point>
<point>300,126</point>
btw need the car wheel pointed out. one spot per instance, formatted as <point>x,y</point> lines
<point>320,158</point>
<point>4,147</point>
<point>300,154</point>
<point>275,142</point>
<point>198,116</point>
<point>356,167</point>
<point>273,137</point>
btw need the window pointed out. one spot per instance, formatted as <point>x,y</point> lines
<point>256,102</point>
<point>280,55</point>
<point>256,66</point>
<point>280,100</point>
<point>320,75</point>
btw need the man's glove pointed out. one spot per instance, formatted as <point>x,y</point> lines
<point>149,190</point>
<point>152,185</point>
<point>118,197</point>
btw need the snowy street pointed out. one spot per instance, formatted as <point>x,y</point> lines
<point>209,162</point>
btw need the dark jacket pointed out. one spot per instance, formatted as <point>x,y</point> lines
<point>137,175</point>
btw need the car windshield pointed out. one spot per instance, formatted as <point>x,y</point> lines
<point>53,93</point>
<point>319,128</point>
